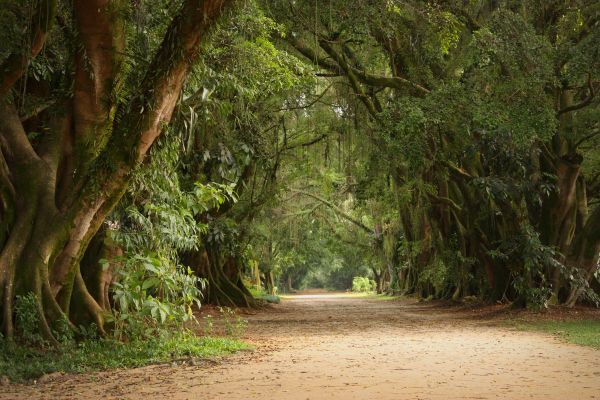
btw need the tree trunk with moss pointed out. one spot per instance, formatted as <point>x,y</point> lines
<point>58,189</point>
<point>224,285</point>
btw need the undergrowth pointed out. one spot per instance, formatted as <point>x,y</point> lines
<point>261,294</point>
<point>22,363</point>
<point>31,356</point>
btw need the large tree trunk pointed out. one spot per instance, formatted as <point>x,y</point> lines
<point>63,186</point>
<point>99,275</point>
<point>586,254</point>
<point>224,284</point>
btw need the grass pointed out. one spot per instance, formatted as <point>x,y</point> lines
<point>584,332</point>
<point>262,295</point>
<point>380,297</point>
<point>21,363</point>
<point>372,296</point>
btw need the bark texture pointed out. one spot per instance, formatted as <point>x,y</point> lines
<point>58,189</point>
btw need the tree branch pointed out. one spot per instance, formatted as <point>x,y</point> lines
<point>319,97</point>
<point>340,238</point>
<point>16,64</point>
<point>336,209</point>
<point>312,55</point>
<point>586,138</point>
<point>100,29</point>
<point>445,201</point>
<point>358,89</point>
<point>309,143</point>
<point>13,140</point>
<point>394,82</point>
<point>584,103</point>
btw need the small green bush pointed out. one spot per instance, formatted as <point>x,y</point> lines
<point>27,320</point>
<point>153,294</point>
<point>362,284</point>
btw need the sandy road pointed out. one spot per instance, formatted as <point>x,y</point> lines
<point>334,346</point>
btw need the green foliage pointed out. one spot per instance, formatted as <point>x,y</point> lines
<point>153,293</point>
<point>27,324</point>
<point>526,250</point>
<point>160,215</point>
<point>362,284</point>
<point>20,363</point>
<point>260,293</point>
<point>405,126</point>
<point>27,319</point>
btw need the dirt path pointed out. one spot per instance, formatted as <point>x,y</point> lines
<point>331,346</point>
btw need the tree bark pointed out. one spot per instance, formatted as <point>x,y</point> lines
<point>88,152</point>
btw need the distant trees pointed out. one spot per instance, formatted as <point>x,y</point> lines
<point>483,119</point>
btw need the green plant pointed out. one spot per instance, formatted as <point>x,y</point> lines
<point>20,363</point>
<point>362,284</point>
<point>63,332</point>
<point>208,324</point>
<point>235,326</point>
<point>27,320</point>
<point>152,293</point>
<point>260,293</point>
<point>155,225</point>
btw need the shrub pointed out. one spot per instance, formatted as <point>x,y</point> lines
<point>362,284</point>
<point>154,292</point>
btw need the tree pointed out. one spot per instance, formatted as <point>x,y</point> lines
<point>80,108</point>
<point>479,115</point>
<point>232,124</point>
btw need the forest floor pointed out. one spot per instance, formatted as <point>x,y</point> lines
<point>343,346</point>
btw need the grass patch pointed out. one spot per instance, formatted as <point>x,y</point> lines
<point>20,363</point>
<point>373,296</point>
<point>381,297</point>
<point>262,295</point>
<point>585,332</point>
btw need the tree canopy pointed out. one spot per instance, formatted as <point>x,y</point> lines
<point>154,152</point>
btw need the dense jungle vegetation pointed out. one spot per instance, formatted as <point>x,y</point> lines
<point>157,154</point>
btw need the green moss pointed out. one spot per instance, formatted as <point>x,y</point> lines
<point>262,295</point>
<point>585,333</point>
<point>21,363</point>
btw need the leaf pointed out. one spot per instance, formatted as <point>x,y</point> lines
<point>150,283</point>
<point>123,303</point>
<point>151,268</point>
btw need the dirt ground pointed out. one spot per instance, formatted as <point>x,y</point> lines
<point>337,346</point>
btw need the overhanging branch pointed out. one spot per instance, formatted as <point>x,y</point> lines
<point>336,209</point>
